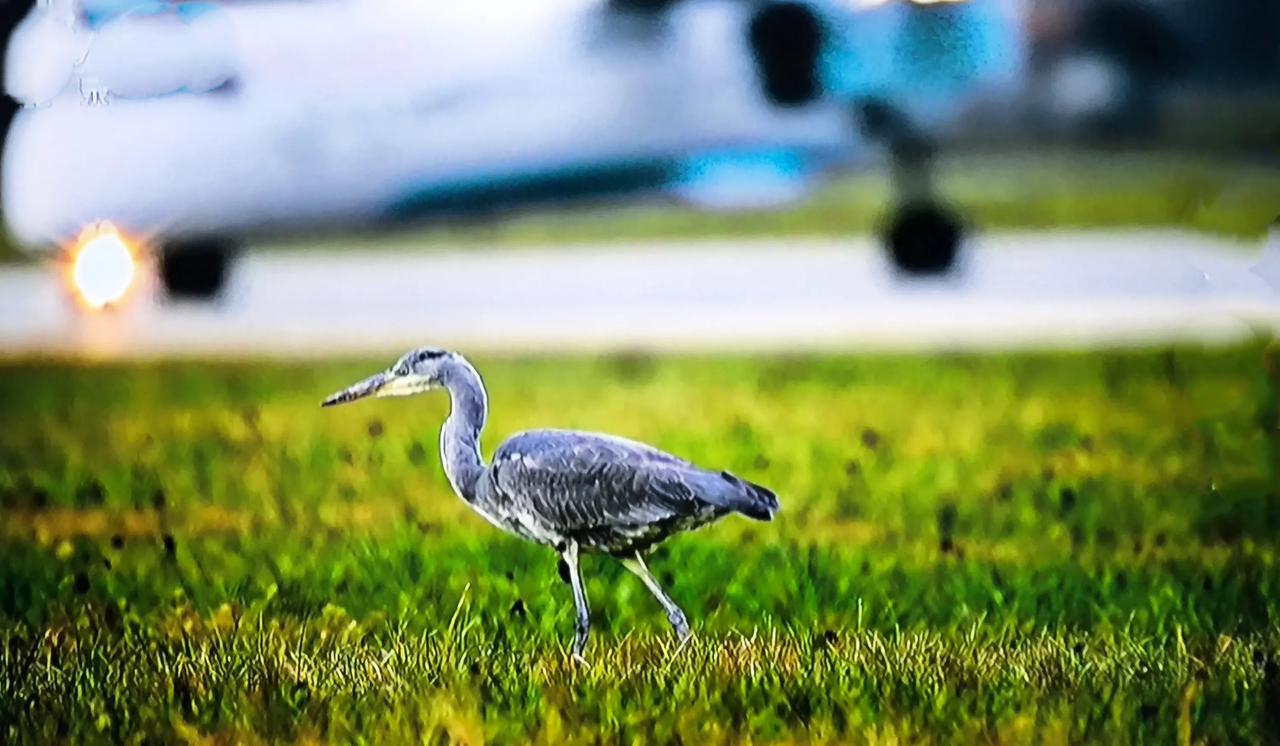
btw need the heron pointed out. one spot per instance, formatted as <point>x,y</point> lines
<point>577,492</point>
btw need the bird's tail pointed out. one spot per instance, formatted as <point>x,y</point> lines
<point>750,499</point>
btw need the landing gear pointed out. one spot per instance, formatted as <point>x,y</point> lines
<point>195,269</point>
<point>922,236</point>
<point>786,40</point>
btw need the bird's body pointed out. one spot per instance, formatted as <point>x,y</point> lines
<point>573,491</point>
<point>606,493</point>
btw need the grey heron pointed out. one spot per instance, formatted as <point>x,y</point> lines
<point>573,491</point>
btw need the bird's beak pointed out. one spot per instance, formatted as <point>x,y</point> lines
<point>368,387</point>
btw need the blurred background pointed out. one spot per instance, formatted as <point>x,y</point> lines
<point>259,176</point>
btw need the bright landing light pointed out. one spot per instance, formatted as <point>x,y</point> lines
<point>103,269</point>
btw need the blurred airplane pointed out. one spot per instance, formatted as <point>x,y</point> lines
<point>179,130</point>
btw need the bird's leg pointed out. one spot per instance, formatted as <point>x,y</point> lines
<point>570,556</point>
<point>674,614</point>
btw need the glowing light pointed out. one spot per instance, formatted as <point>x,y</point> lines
<point>103,268</point>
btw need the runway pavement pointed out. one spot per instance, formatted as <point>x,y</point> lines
<point>1013,290</point>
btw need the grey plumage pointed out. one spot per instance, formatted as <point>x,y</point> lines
<point>574,491</point>
<point>609,494</point>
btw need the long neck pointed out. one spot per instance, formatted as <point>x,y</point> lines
<point>460,434</point>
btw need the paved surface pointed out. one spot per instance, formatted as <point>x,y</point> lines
<point>1013,290</point>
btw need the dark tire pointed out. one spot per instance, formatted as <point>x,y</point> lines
<point>786,40</point>
<point>924,238</point>
<point>196,269</point>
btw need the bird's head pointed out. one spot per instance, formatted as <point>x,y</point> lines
<point>417,371</point>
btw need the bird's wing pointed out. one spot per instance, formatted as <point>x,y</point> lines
<point>582,481</point>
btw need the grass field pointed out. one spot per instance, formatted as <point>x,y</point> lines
<point>1043,548</point>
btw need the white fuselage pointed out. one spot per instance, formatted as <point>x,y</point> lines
<point>337,111</point>
<point>216,119</point>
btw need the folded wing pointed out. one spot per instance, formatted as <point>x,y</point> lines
<point>578,482</point>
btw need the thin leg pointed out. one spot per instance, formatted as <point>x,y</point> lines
<point>674,614</point>
<point>583,626</point>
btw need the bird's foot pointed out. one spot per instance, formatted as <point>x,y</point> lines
<point>580,641</point>
<point>680,626</point>
<point>683,636</point>
<point>579,660</point>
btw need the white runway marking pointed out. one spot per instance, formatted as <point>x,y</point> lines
<point>1014,290</point>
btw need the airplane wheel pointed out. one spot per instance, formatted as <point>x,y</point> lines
<point>196,269</point>
<point>924,239</point>
<point>786,41</point>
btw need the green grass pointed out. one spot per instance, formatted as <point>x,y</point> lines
<point>1010,548</point>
